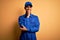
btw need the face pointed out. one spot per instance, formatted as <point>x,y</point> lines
<point>28,9</point>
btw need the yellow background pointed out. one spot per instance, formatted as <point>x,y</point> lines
<point>46,10</point>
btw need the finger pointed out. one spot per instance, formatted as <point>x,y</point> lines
<point>20,28</point>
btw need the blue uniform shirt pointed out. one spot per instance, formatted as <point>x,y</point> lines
<point>32,24</point>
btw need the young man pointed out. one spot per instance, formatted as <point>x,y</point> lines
<point>29,24</point>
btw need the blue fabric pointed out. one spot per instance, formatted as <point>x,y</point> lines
<point>32,24</point>
<point>28,4</point>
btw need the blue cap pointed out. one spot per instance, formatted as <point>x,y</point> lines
<point>28,4</point>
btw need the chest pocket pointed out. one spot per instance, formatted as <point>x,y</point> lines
<point>32,22</point>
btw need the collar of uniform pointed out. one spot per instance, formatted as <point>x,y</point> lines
<point>29,16</point>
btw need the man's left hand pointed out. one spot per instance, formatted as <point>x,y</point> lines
<point>23,28</point>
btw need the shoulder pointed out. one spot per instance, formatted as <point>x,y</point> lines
<point>35,16</point>
<point>21,16</point>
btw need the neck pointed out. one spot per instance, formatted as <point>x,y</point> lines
<point>28,14</point>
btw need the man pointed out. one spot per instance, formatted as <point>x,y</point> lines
<point>29,24</point>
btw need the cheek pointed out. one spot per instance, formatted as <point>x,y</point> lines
<point>30,8</point>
